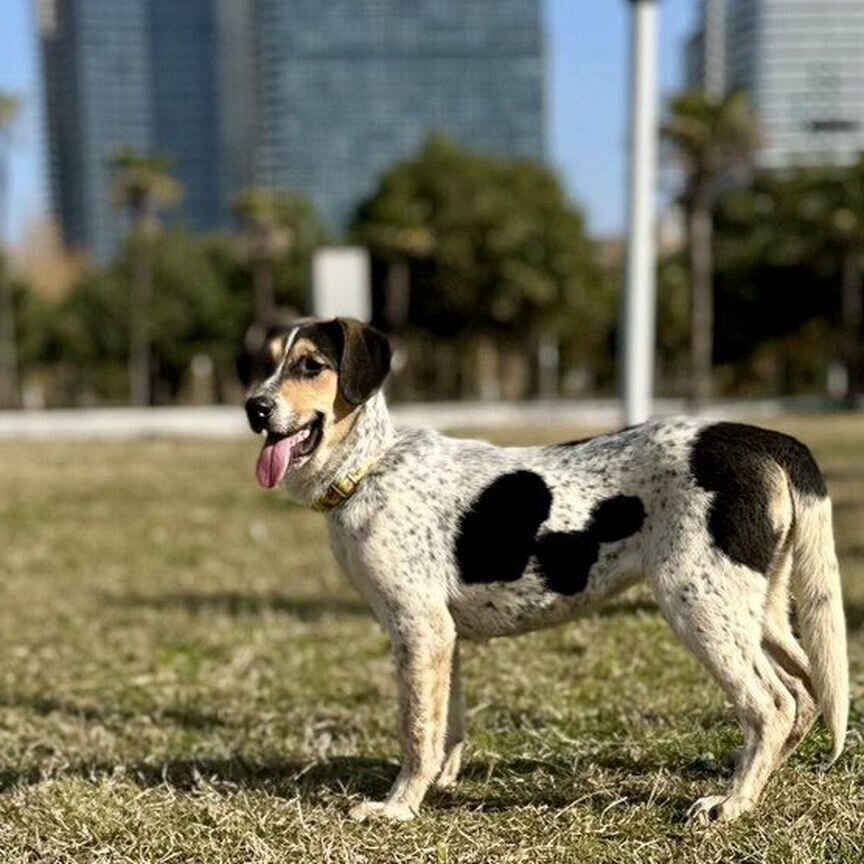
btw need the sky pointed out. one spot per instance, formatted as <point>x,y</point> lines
<point>587,90</point>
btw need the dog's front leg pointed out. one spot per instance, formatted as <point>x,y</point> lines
<point>455,740</point>
<point>423,669</point>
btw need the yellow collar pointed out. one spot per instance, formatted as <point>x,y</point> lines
<point>342,489</point>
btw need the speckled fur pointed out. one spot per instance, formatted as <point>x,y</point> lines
<point>395,539</point>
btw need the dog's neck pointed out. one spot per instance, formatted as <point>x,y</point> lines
<point>369,437</point>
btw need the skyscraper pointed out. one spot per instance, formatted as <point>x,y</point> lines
<point>156,76</point>
<point>800,62</point>
<point>97,95</point>
<point>347,88</point>
<point>314,96</point>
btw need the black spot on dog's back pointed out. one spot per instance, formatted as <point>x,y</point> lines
<point>495,538</point>
<point>565,558</point>
<point>733,461</point>
<point>617,518</point>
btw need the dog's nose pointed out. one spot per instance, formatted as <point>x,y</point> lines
<point>258,410</point>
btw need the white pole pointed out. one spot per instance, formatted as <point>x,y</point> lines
<point>638,318</point>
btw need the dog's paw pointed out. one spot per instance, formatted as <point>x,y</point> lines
<point>718,808</point>
<point>452,765</point>
<point>381,810</point>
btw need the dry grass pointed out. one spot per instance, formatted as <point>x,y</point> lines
<point>185,677</point>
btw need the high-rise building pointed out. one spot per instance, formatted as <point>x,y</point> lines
<point>156,76</point>
<point>310,96</point>
<point>705,51</point>
<point>97,96</point>
<point>802,66</point>
<point>348,88</point>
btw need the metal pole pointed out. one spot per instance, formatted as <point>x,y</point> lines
<point>638,317</point>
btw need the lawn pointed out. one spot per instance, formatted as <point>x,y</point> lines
<point>187,678</point>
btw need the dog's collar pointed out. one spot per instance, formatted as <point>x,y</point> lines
<point>339,491</point>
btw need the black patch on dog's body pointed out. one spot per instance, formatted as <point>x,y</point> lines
<point>496,535</point>
<point>566,557</point>
<point>730,460</point>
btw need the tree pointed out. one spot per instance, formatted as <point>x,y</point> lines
<point>490,245</point>
<point>279,232</point>
<point>9,108</point>
<point>144,188</point>
<point>832,211</point>
<point>788,267</point>
<point>710,138</point>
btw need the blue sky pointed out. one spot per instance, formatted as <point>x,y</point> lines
<point>587,41</point>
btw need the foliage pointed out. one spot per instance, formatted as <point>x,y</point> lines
<point>492,245</point>
<point>144,185</point>
<point>781,245</point>
<point>281,230</point>
<point>199,306</point>
<point>711,137</point>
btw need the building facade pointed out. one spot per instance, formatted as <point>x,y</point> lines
<point>801,64</point>
<point>346,89</point>
<point>314,97</point>
<point>156,76</point>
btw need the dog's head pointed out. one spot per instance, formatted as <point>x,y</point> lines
<point>320,373</point>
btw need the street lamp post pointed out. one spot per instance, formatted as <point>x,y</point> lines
<point>638,315</point>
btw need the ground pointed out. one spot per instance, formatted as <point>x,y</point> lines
<point>186,677</point>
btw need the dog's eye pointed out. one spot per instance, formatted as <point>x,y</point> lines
<point>309,366</point>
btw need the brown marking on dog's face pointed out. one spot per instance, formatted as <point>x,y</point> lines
<point>309,381</point>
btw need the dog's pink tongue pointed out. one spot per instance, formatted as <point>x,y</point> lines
<point>274,461</point>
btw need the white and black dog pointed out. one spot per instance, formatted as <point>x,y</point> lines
<point>449,539</point>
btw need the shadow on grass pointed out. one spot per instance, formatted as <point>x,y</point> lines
<point>311,608</point>
<point>186,717</point>
<point>235,603</point>
<point>556,783</point>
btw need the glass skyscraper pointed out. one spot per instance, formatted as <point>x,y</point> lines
<point>346,88</point>
<point>97,94</point>
<point>157,76</point>
<point>314,96</point>
<point>801,64</point>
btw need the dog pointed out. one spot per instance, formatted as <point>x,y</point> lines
<point>451,540</point>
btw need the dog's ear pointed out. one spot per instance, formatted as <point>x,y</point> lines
<point>364,360</point>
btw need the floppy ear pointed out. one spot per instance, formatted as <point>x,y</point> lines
<point>364,361</point>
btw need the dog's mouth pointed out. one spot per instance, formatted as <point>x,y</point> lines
<point>281,452</point>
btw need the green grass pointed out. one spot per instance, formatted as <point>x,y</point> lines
<point>186,677</point>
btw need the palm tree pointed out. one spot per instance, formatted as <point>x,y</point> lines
<point>144,188</point>
<point>266,237</point>
<point>711,137</point>
<point>9,108</point>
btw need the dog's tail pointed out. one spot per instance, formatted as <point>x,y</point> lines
<point>819,602</point>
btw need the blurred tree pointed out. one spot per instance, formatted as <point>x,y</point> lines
<point>489,245</point>
<point>9,107</point>
<point>279,233</point>
<point>789,249</point>
<point>197,308</point>
<point>832,216</point>
<point>144,188</point>
<point>710,137</point>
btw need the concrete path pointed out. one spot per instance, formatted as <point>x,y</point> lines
<point>228,421</point>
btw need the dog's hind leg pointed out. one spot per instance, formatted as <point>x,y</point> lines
<point>424,659</point>
<point>719,617</point>
<point>788,657</point>
<point>455,727</point>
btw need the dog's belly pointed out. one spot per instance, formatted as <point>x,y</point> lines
<point>508,608</point>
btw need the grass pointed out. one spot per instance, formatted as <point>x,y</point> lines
<point>186,677</point>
